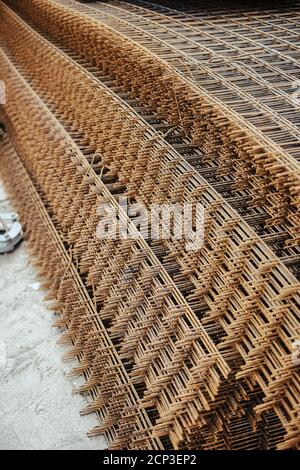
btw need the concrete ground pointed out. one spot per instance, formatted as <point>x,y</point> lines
<point>37,407</point>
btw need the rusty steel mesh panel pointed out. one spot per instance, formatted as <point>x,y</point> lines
<point>194,347</point>
<point>247,137</point>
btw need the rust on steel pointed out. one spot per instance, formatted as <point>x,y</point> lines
<point>164,104</point>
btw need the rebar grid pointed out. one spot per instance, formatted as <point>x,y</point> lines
<point>240,300</point>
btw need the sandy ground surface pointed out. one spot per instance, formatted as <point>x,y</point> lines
<point>37,407</point>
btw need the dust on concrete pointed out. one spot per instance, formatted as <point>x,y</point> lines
<point>37,407</point>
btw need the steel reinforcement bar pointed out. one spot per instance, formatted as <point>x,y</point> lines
<point>184,428</point>
<point>59,170</point>
<point>258,161</point>
<point>224,184</point>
